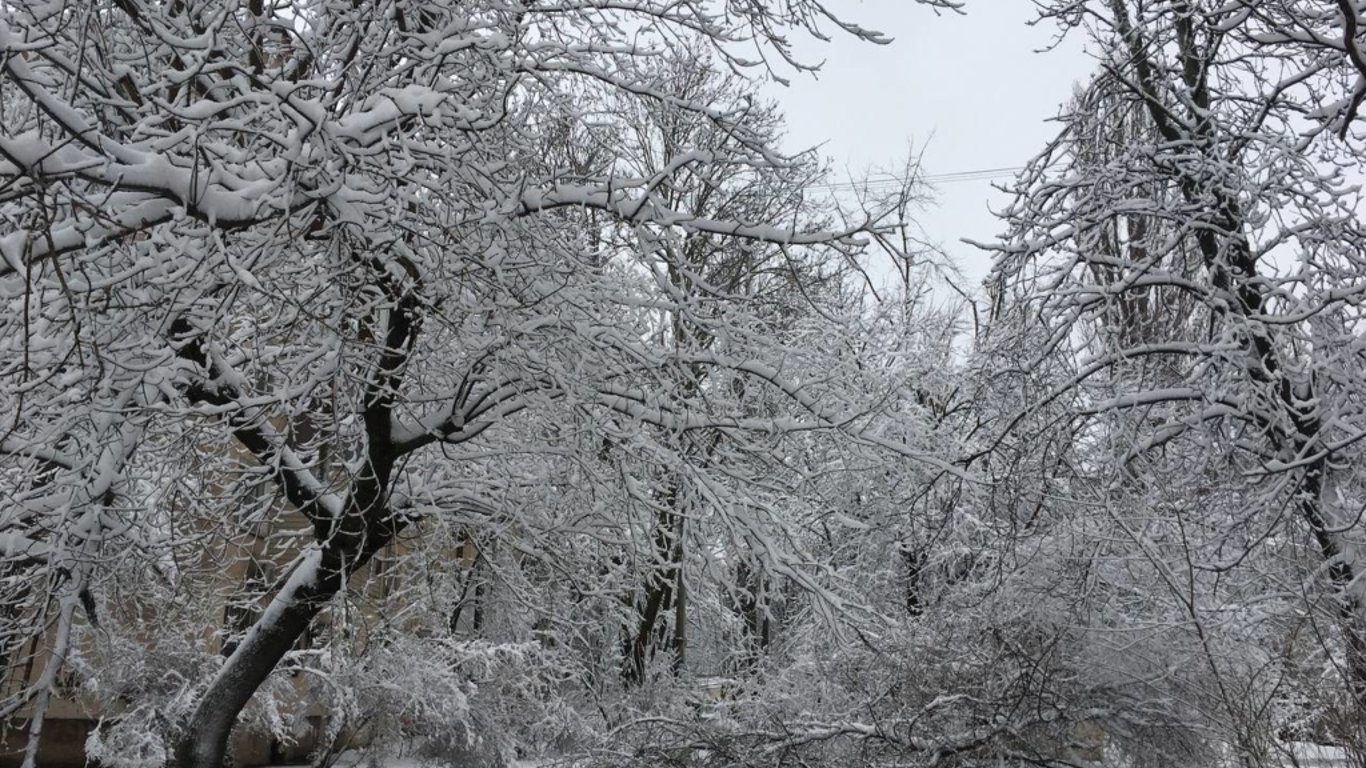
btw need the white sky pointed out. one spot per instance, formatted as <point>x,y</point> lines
<point>969,91</point>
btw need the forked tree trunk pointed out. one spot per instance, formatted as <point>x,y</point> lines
<point>347,538</point>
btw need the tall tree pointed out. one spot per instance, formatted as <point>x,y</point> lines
<point>1188,251</point>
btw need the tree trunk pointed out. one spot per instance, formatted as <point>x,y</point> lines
<point>203,741</point>
<point>680,623</point>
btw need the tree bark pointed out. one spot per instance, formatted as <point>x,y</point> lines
<point>203,740</point>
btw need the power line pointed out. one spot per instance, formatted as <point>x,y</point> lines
<point>956,177</point>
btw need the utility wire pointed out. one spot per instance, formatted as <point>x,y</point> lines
<point>883,182</point>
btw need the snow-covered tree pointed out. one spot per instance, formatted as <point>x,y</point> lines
<point>314,282</point>
<point>1186,259</point>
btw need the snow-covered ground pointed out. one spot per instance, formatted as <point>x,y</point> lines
<point>359,760</point>
<point>1305,755</point>
<point>1308,755</point>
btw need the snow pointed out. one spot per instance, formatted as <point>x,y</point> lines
<point>1306,755</point>
<point>616,405</point>
<point>18,546</point>
<point>1310,755</point>
<point>303,575</point>
<point>359,759</point>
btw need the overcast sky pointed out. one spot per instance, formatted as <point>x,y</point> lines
<point>969,91</point>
